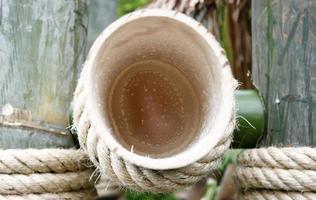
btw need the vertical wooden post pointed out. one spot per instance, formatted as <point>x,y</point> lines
<point>284,69</point>
<point>101,14</point>
<point>42,47</point>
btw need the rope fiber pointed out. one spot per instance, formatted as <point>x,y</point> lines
<point>45,174</point>
<point>277,173</point>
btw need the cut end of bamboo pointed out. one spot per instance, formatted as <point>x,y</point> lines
<point>160,89</point>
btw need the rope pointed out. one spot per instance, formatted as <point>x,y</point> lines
<point>83,194</point>
<point>129,175</point>
<point>303,158</point>
<point>30,161</point>
<point>45,174</point>
<point>277,179</point>
<point>277,173</point>
<point>44,183</point>
<point>277,195</point>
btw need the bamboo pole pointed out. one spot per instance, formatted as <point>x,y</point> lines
<point>41,52</point>
<point>284,69</point>
<point>250,118</point>
<point>101,14</point>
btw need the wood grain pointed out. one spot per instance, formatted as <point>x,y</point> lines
<point>41,53</point>
<point>42,48</point>
<point>284,69</point>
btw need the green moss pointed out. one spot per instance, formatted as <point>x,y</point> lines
<point>126,6</point>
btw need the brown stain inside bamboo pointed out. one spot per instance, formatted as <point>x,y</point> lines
<point>154,109</point>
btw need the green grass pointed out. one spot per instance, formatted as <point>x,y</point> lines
<point>126,6</point>
<point>230,157</point>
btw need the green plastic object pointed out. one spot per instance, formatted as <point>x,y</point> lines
<point>250,118</point>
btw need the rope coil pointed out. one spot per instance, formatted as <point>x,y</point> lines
<point>277,173</point>
<point>45,174</point>
<point>129,175</point>
<point>44,183</point>
<point>30,161</point>
<point>276,195</point>
<point>74,195</point>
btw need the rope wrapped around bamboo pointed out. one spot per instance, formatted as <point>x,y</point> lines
<point>131,175</point>
<point>45,174</point>
<point>125,174</point>
<point>277,173</point>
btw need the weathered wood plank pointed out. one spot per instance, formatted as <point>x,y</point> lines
<point>284,68</point>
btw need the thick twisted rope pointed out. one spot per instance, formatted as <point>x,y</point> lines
<point>276,195</point>
<point>277,169</point>
<point>30,161</point>
<point>303,158</point>
<point>129,175</point>
<point>82,194</point>
<point>45,174</point>
<point>126,174</point>
<point>277,179</point>
<point>44,183</point>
